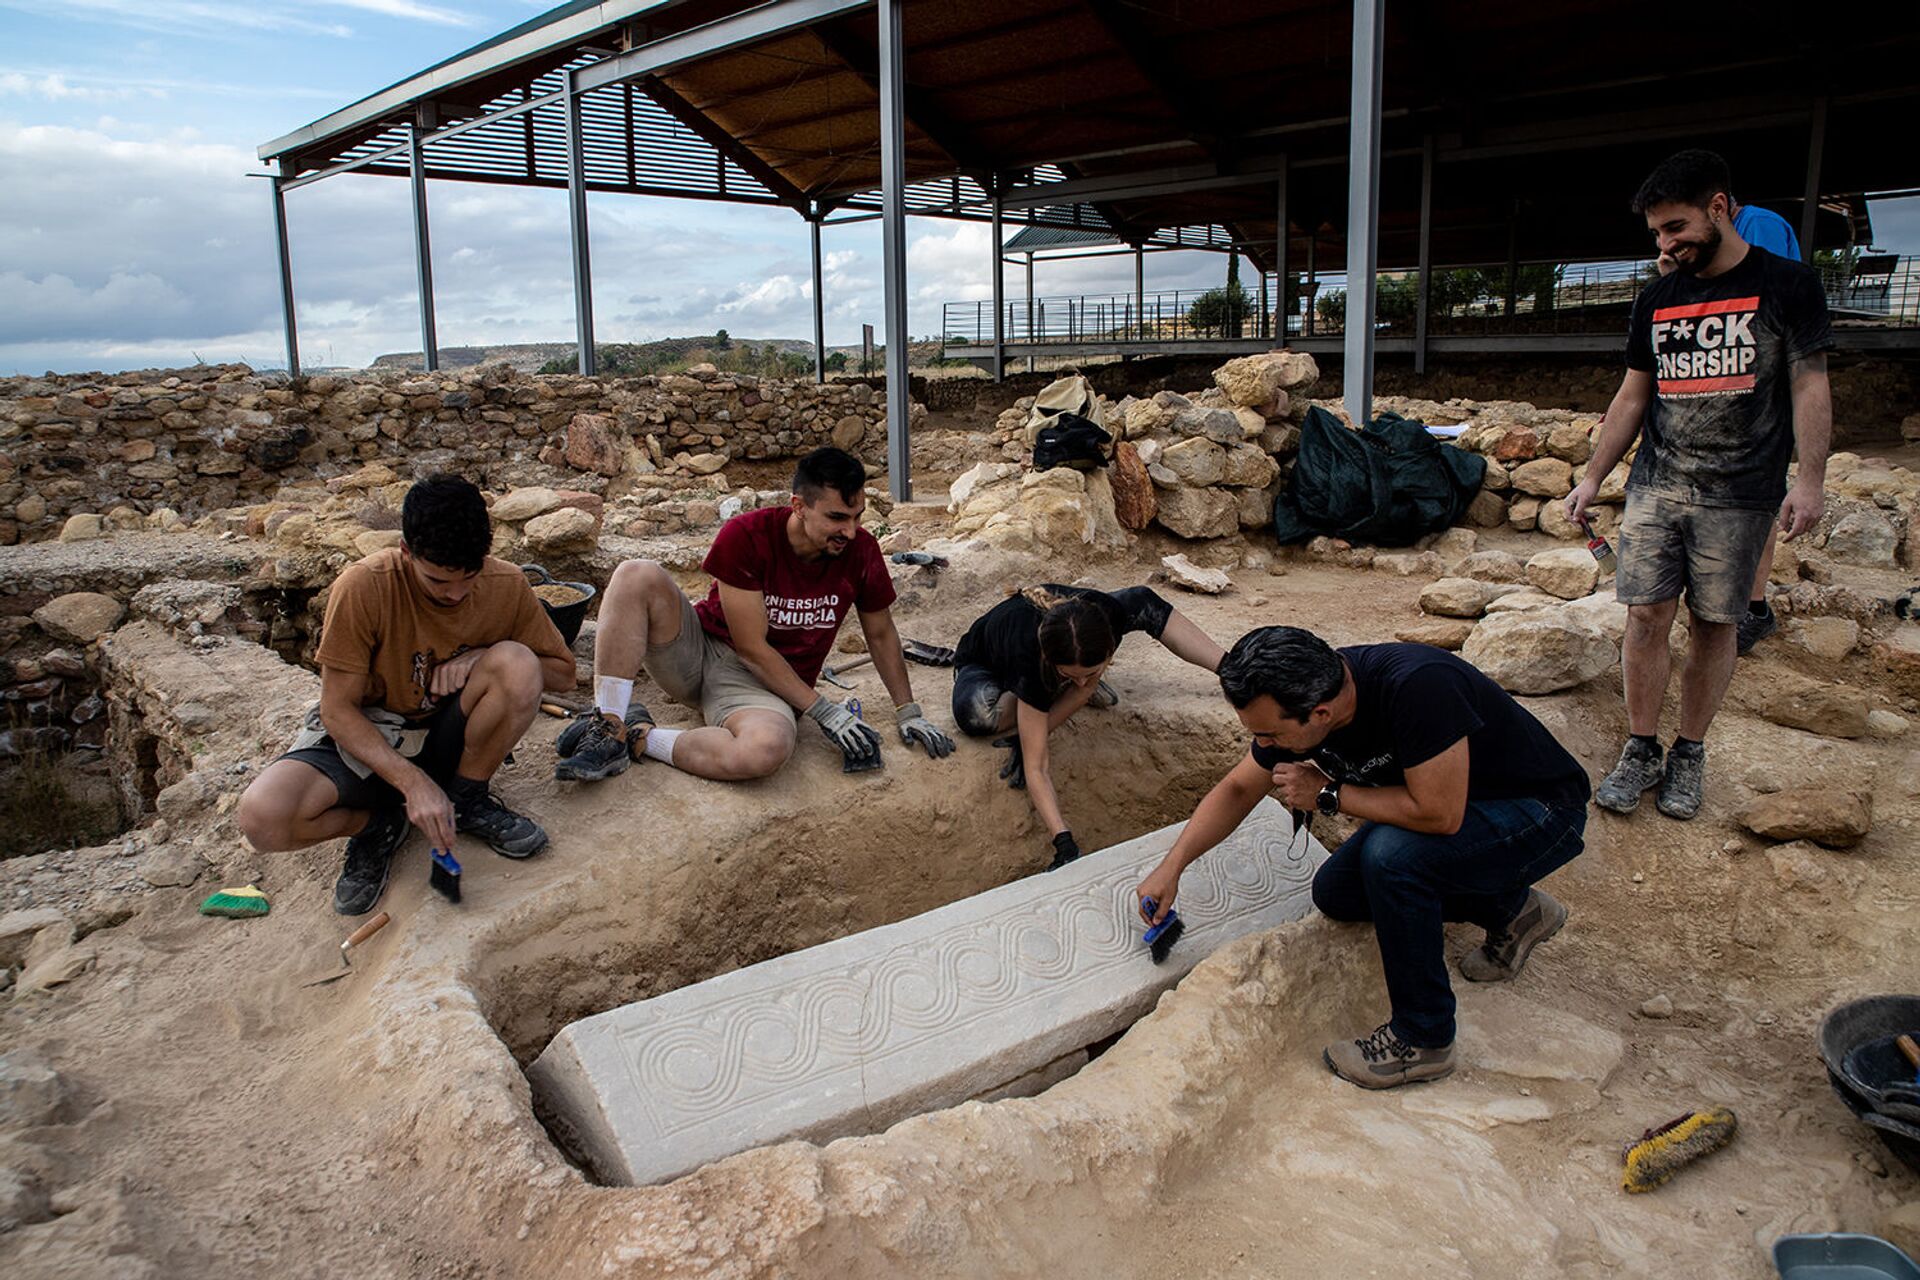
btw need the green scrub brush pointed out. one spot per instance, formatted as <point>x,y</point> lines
<point>238,903</point>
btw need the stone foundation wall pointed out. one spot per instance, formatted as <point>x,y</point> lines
<point>192,441</point>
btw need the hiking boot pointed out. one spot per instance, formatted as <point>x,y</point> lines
<point>478,812</point>
<point>1384,1061</point>
<point>1753,628</point>
<point>1105,696</point>
<point>369,856</point>
<point>1683,783</point>
<point>1639,769</point>
<point>596,746</point>
<point>1504,953</point>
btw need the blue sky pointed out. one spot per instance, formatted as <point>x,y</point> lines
<point>130,235</point>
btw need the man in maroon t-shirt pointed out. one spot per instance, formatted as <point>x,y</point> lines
<point>748,655</point>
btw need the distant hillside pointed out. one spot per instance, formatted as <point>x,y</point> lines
<point>529,357</point>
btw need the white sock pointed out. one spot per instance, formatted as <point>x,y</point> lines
<point>659,744</point>
<point>612,696</point>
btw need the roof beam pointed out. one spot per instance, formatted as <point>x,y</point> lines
<point>1175,91</point>
<point>750,27</point>
<point>723,141</point>
<point>931,122</point>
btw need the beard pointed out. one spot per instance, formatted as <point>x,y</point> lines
<point>1704,251</point>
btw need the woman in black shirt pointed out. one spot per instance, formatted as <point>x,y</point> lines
<point>1038,656</point>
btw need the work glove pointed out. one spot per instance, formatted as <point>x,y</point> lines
<point>1064,851</point>
<point>856,739</point>
<point>917,730</point>
<point>1014,771</point>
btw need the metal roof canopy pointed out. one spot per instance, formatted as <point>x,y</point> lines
<point>1504,131</point>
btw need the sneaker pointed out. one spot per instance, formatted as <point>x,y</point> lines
<point>369,856</point>
<point>596,746</point>
<point>1505,951</point>
<point>1683,783</point>
<point>1105,696</point>
<point>1753,628</point>
<point>478,812</point>
<point>1639,769</point>
<point>1384,1061</point>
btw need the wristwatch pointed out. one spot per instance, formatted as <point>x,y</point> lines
<point>1328,801</point>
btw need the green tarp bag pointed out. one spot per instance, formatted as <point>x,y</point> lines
<point>1388,485</point>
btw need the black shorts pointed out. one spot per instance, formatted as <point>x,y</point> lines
<point>976,700</point>
<point>439,757</point>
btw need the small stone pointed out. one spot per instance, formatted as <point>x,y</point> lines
<point>1182,572</point>
<point>1492,566</point>
<point>1441,633</point>
<point>82,528</point>
<point>1197,513</point>
<point>524,504</point>
<point>1639,878</point>
<point>896,540</point>
<point>594,443</point>
<point>848,432</point>
<point>1829,638</point>
<point>1835,818</point>
<point>1799,702</point>
<point>170,868</point>
<point>1566,572</point>
<point>1660,1006</point>
<point>1885,724</point>
<point>374,540</point>
<point>1456,598</point>
<point>19,928</point>
<point>1544,478</point>
<point>1198,462</point>
<point>1410,564</point>
<point>701,464</point>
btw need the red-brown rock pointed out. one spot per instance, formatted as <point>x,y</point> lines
<point>593,444</point>
<point>1134,501</point>
<point>1520,444</point>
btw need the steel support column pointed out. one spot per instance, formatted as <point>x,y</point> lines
<point>1140,287</point>
<point>1810,206</point>
<point>893,243</point>
<point>999,292</point>
<point>577,222</point>
<point>1031,336</point>
<point>286,279</point>
<point>1425,297</point>
<point>1280,257</point>
<point>819,303</point>
<point>422,247</point>
<point>1363,206</point>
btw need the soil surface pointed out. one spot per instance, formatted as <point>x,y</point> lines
<point>220,1119</point>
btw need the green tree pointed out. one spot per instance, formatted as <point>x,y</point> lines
<point>720,338</point>
<point>1331,307</point>
<point>1218,311</point>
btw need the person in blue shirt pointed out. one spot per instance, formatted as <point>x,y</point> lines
<point>1769,231</point>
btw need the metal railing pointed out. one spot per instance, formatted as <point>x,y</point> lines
<point>1541,299</point>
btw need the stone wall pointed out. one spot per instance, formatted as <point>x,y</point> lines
<point>192,441</point>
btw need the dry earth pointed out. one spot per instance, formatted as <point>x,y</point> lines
<point>221,1120</point>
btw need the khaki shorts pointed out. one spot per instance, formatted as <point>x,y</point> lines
<point>699,670</point>
<point>1710,553</point>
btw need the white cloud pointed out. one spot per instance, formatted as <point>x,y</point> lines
<point>207,19</point>
<point>408,9</point>
<point>56,87</point>
<point>770,297</point>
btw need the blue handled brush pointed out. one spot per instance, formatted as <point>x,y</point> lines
<point>445,874</point>
<point>1161,937</point>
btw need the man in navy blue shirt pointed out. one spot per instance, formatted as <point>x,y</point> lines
<point>1726,375</point>
<point>1466,801</point>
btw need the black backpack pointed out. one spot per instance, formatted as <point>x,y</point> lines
<point>1072,441</point>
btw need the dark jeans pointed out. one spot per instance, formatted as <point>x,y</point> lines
<point>1409,884</point>
<point>439,757</point>
<point>976,700</point>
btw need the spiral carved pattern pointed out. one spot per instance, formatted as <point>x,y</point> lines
<point>693,1059</point>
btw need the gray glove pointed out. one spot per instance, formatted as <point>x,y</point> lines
<point>855,737</point>
<point>917,730</point>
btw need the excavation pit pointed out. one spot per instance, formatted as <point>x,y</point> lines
<point>999,994</point>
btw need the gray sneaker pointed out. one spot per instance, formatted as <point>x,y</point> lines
<point>1383,1061</point>
<point>1105,697</point>
<point>1505,952</point>
<point>1638,770</point>
<point>1683,784</point>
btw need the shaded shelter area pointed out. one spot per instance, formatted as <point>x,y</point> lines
<point>1379,135</point>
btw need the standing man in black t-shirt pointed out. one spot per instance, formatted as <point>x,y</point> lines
<point>1466,800</point>
<point>1727,365</point>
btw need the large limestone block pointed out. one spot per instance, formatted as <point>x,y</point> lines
<point>568,529</point>
<point>79,616</point>
<point>1199,513</point>
<point>524,504</point>
<point>976,478</point>
<point>1217,425</point>
<point>1567,572</point>
<point>1198,462</point>
<point>857,1034</point>
<point>1800,702</point>
<point>1539,650</point>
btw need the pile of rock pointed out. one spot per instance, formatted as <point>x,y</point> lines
<point>1536,626</point>
<point>1201,466</point>
<point>211,437</point>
